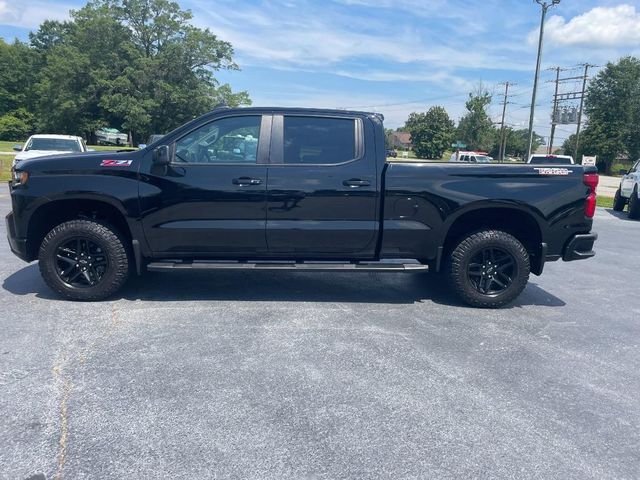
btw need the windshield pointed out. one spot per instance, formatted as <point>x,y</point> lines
<point>59,144</point>
<point>550,160</point>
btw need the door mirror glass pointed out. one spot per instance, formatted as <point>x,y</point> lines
<point>17,148</point>
<point>622,171</point>
<point>161,155</point>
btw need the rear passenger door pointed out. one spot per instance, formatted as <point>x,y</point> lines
<point>322,188</point>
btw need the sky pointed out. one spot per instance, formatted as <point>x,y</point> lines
<point>396,56</point>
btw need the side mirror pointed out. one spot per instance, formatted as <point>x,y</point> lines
<point>17,148</point>
<point>622,171</point>
<point>142,145</point>
<point>161,155</point>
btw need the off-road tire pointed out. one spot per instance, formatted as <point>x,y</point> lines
<point>468,248</point>
<point>113,248</point>
<point>619,201</point>
<point>634,205</point>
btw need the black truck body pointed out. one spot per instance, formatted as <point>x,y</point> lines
<point>290,187</point>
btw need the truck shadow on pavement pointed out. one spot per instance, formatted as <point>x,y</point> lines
<point>391,288</point>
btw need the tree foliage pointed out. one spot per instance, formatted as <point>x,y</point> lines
<point>516,142</point>
<point>431,132</point>
<point>613,110</point>
<point>475,127</point>
<point>137,65</point>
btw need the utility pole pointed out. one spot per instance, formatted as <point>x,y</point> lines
<point>555,110</point>
<point>545,6</point>
<point>502,124</point>
<point>584,90</point>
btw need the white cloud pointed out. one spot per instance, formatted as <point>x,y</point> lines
<point>310,37</point>
<point>601,27</point>
<point>30,14</point>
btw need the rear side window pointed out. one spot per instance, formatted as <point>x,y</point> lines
<point>549,160</point>
<point>319,140</point>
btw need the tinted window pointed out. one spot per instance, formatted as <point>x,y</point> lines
<point>319,140</point>
<point>227,140</point>
<point>60,144</point>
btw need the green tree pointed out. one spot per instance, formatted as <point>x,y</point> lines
<point>613,110</point>
<point>517,142</point>
<point>431,132</point>
<point>137,65</point>
<point>18,75</point>
<point>475,127</point>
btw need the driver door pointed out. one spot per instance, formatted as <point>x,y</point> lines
<point>211,199</point>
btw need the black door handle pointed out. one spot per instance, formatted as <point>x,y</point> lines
<point>244,181</point>
<point>356,182</point>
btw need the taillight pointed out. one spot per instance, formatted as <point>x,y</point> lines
<point>590,180</point>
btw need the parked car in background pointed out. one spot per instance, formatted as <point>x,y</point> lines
<point>629,192</point>
<point>392,153</point>
<point>111,136</point>
<point>45,144</point>
<point>538,159</point>
<point>470,157</point>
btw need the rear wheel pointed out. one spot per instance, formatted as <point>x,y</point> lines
<point>84,260</point>
<point>619,201</point>
<point>634,204</point>
<point>489,269</point>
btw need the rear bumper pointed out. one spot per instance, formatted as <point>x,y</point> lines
<point>580,247</point>
<point>18,245</point>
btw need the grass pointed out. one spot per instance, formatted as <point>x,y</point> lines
<point>605,202</point>
<point>5,167</point>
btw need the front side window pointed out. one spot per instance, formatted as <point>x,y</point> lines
<point>319,140</point>
<point>227,140</point>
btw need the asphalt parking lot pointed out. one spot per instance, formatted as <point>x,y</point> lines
<point>264,375</point>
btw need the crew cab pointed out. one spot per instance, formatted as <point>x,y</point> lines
<point>629,192</point>
<point>295,189</point>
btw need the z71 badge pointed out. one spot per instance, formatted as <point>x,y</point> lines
<point>553,171</point>
<point>116,163</point>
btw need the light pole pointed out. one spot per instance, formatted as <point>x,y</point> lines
<point>545,6</point>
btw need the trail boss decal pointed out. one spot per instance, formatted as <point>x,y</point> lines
<point>553,171</point>
<point>116,163</point>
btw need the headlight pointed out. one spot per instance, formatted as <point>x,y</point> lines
<point>20,177</point>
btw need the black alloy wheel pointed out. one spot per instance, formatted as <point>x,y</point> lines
<point>492,270</point>
<point>81,262</point>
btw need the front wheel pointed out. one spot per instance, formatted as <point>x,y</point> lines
<point>619,201</point>
<point>84,260</point>
<point>489,268</point>
<point>634,204</point>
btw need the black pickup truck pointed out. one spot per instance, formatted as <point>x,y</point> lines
<point>299,189</point>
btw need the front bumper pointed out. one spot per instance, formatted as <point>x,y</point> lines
<point>18,245</point>
<point>580,247</point>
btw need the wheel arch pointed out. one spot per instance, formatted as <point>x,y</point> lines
<point>520,223</point>
<point>53,212</point>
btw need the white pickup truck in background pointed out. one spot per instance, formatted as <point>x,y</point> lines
<point>629,192</point>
